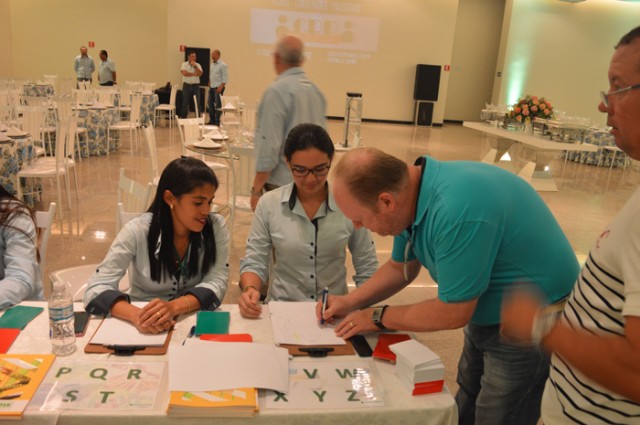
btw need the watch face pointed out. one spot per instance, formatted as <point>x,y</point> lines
<point>377,312</point>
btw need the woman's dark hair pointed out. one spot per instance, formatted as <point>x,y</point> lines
<point>307,136</point>
<point>10,205</point>
<point>181,176</point>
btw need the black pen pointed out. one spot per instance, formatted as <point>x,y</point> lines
<point>192,332</point>
<point>11,396</point>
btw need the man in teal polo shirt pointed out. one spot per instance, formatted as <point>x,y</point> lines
<point>479,230</point>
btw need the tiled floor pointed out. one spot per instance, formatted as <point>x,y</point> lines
<point>587,199</point>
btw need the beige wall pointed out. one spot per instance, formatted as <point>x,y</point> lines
<point>47,35</point>
<point>6,64</point>
<point>562,50</point>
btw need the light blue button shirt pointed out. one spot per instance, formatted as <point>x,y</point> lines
<point>20,277</point>
<point>307,258</point>
<point>290,100</point>
<point>84,66</point>
<point>217,73</point>
<point>130,247</point>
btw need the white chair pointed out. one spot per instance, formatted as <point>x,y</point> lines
<point>150,137</point>
<point>243,171</point>
<point>55,167</point>
<point>44,219</point>
<point>52,80</point>
<point>133,125</point>
<point>78,276</point>
<point>65,107</point>
<point>32,120</point>
<point>124,101</point>
<point>167,110</point>
<point>133,196</point>
<point>190,133</point>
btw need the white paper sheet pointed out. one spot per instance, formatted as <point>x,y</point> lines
<point>208,366</point>
<point>114,331</point>
<point>415,353</point>
<point>296,323</point>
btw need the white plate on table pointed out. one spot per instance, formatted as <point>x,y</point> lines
<point>207,144</point>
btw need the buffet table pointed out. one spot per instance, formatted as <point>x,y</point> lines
<point>400,406</point>
<point>536,153</point>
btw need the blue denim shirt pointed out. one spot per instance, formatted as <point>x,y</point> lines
<point>130,247</point>
<point>290,100</point>
<point>20,277</point>
<point>308,258</point>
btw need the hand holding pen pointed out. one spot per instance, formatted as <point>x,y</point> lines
<point>325,296</point>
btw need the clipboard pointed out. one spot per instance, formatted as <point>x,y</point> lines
<point>338,350</point>
<point>91,348</point>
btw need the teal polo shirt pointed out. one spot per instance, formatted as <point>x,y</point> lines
<point>479,230</point>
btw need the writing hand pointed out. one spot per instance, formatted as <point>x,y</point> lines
<point>356,323</point>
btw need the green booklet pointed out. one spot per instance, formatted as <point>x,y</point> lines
<point>212,322</point>
<point>19,316</point>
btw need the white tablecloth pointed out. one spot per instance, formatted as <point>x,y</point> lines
<point>400,408</point>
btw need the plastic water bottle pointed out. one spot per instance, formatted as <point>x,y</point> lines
<point>63,337</point>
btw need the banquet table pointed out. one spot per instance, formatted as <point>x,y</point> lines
<point>535,152</point>
<point>148,104</point>
<point>41,90</point>
<point>400,407</point>
<point>13,155</point>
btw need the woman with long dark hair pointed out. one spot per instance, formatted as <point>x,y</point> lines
<point>179,251</point>
<point>20,277</point>
<point>309,234</point>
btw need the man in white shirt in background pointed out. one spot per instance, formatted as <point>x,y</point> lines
<point>107,71</point>
<point>191,72</point>
<point>218,74</point>
<point>83,65</point>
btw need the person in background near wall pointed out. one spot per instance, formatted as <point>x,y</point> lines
<point>290,100</point>
<point>476,242</point>
<point>20,277</point>
<point>83,65</point>
<point>595,341</point>
<point>302,224</point>
<point>218,74</point>
<point>179,251</point>
<point>107,71</point>
<point>191,72</point>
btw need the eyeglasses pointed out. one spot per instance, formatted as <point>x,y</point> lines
<point>605,96</point>
<point>321,170</point>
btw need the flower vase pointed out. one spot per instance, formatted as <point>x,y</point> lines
<point>528,126</point>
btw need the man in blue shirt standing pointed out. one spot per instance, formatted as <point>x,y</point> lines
<point>479,230</point>
<point>218,74</point>
<point>290,100</point>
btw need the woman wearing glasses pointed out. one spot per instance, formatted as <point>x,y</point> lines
<point>307,233</point>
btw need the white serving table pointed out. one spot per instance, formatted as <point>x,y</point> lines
<point>538,152</point>
<point>400,406</point>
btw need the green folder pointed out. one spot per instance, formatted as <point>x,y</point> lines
<point>19,316</point>
<point>212,322</point>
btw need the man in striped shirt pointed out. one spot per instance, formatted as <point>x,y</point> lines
<point>595,367</point>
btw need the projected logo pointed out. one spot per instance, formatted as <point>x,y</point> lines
<point>315,29</point>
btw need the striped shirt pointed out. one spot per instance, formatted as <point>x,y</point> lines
<point>607,289</point>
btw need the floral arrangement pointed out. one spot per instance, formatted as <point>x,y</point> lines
<point>530,107</point>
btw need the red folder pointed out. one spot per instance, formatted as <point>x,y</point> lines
<point>227,337</point>
<point>382,350</point>
<point>7,336</point>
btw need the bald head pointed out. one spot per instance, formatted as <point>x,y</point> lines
<point>368,172</point>
<point>290,51</point>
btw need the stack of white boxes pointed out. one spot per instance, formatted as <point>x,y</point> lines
<point>419,368</point>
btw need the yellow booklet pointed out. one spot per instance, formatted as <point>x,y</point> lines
<point>20,377</point>
<point>236,403</point>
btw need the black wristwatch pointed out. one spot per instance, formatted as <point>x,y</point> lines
<point>376,316</point>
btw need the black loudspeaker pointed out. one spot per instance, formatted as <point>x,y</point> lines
<point>423,114</point>
<point>427,83</point>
